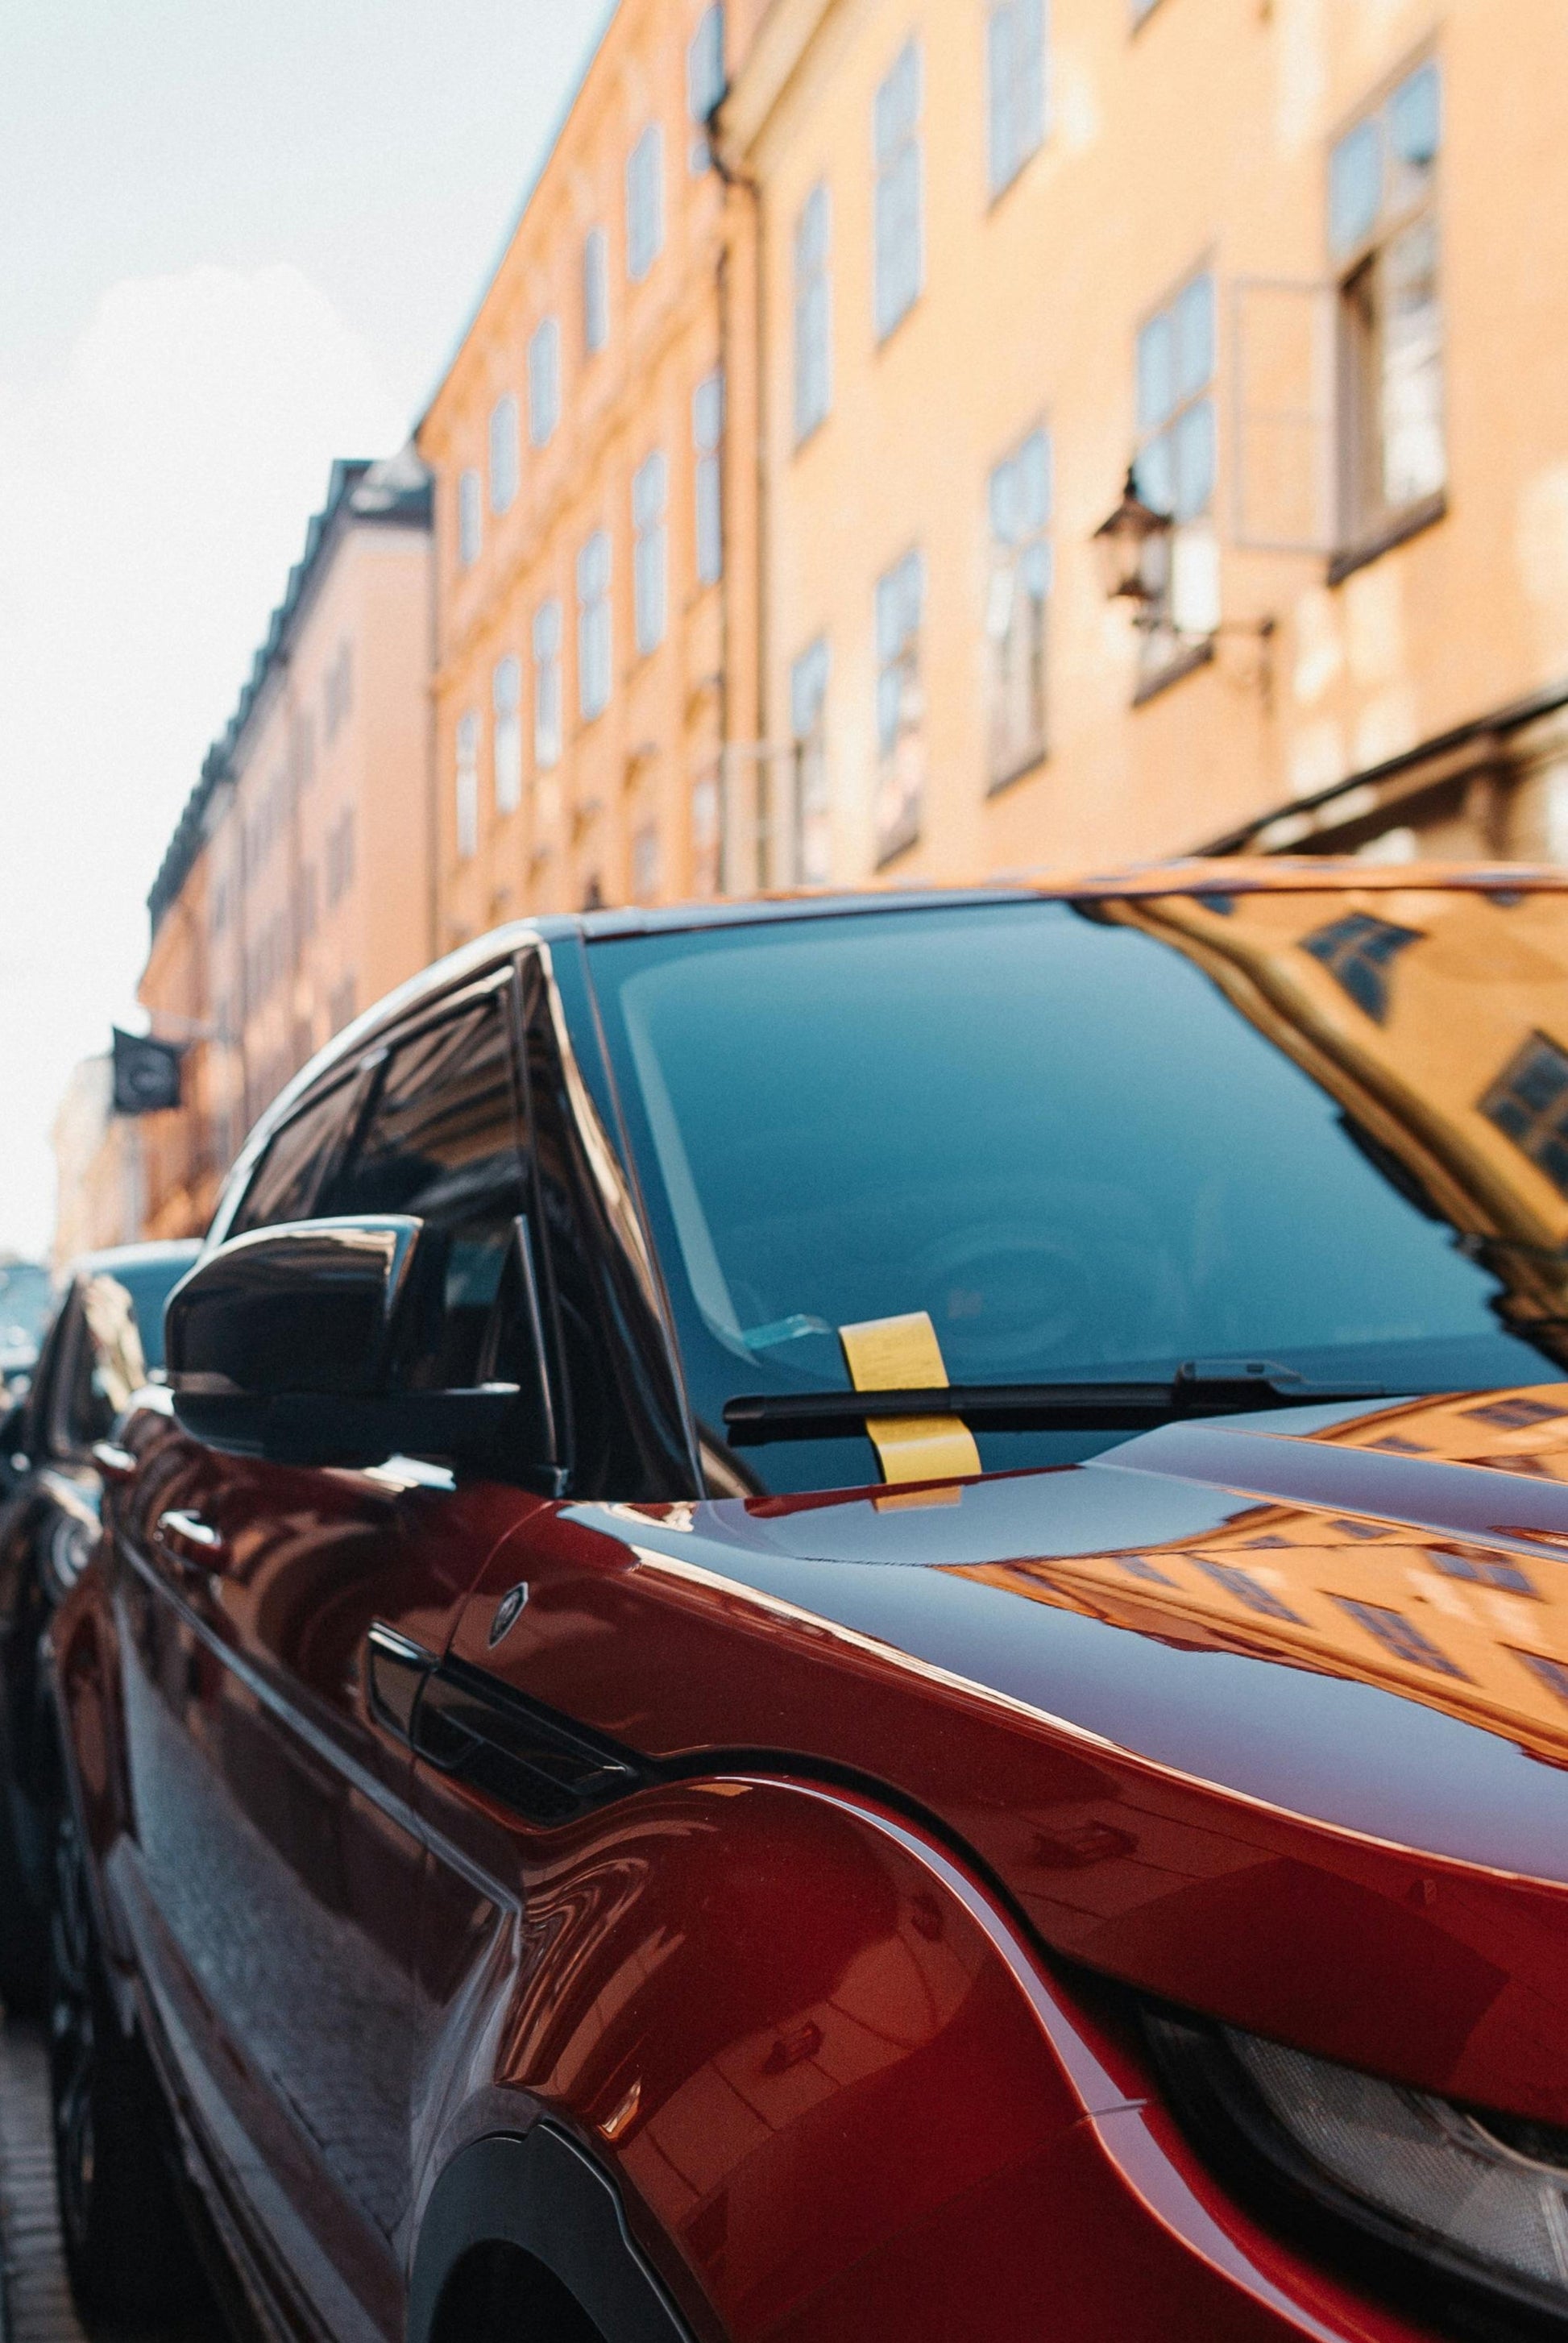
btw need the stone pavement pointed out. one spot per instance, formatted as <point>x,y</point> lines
<point>34,2301</point>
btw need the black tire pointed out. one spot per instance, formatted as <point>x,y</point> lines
<point>23,1931</point>
<point>128,2253</point>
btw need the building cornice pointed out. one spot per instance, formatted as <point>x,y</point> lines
<point>778,49</point>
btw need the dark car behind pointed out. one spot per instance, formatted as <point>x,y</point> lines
<point>103,1342</point>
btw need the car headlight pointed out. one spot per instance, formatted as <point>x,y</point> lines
<point>1477,2202</point>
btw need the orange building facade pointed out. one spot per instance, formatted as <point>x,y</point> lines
<point>1282,258</point>
<point>595,560</point>
<point>297,886</point>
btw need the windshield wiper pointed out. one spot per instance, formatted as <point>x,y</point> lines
<point>1201,1387</point>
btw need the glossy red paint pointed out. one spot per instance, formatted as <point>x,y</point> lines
<point>913,1784</point>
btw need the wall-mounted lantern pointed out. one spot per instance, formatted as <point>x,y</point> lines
<point>1134,547</point>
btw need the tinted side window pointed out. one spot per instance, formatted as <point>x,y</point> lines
<point>285,1184</point>
<point>441,1142</point>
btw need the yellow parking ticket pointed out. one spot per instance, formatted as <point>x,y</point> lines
<point>903,1354</point>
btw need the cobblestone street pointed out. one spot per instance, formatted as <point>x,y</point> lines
<point>34,2300</point>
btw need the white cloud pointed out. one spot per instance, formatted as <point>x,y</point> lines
<point>152,499</point>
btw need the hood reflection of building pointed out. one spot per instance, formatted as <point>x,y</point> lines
<point>1438,1018</point>
<point>1477,1629</point>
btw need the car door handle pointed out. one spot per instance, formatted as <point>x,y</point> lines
<point>396,1673</point>
<point>186,1538</point>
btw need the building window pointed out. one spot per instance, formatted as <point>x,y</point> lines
<point>337,689</point>
<point>1015,87</point>
<point>596,290</point>
<point>506,741</point>
<point>339,855</point>
<point>900,231</point>
<point>1400,1636</point>
<point>503,453</point>
<point>649,488</point>
<point>644,203</point>
<point>467,780</point>
<point>544,380</point>
<point>808,724</point>
<point>644,865</point>
<point>594,642</point>
<point>813,312</point>
<point>1358,951</point>
<point>1174,468</point>
<point>704,77</point>
<point>1246,1589</point>
<point>548,685</point>
<point>470,523</point>
<point>1175,464</point>
<point>900,750</point>
<point>1552,1673</point>
<point>1514,1414</point>
<point>1018,505</point>
<point>1483,1570</point>
<point>1382,236</point>
<point>1529,1104</point>
<point>708,441</point>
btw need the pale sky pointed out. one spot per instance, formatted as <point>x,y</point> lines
<point>234,243</point>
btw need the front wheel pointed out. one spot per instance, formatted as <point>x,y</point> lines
<point>128,2252</point>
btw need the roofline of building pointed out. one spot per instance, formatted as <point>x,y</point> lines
<point>551,148</point>
<point>353,500</point>
<point>1511,717</point>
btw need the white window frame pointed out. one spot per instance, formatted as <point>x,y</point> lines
<point>813,307</point>
<point>596,641</point>
<point>504,453</point>
<point>649,564</point>
<point>507,733</point>
<point>1017,33</point>
<point>546,637</point>
<point>470,517</point>
<point>466,784</point>
<point>1375,375</point>
<point>900,619</point>
<point>596,290</point>
<point>544,381</point>
<point>708,476</point>
<point>644,203</point>
<point>1018,502</point>
<point>899,257</point>
<point>811,679</point>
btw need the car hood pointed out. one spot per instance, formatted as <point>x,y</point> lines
<point>1268,1715</point>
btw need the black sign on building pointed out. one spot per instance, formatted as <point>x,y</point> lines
<point>146,1074</point>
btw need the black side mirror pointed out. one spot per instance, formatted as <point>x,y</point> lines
<point>285,1343</point>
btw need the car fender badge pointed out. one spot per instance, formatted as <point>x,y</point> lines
<point>508,1611</point>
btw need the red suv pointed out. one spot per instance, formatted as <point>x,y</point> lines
<point>843,1622</point>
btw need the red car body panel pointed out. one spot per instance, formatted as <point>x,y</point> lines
<point>916,1782</point>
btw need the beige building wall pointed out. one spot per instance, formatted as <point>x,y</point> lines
<point>97,1167</point>
<point>549,800</point>
<point>317,813</point>
<point>1188,137</point>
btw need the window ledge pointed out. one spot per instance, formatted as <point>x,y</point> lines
<point>1185,662</point>
<point>1019,773</point>
<point>1390,533</point>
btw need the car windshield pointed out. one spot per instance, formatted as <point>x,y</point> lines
<point>1100,1141</point>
